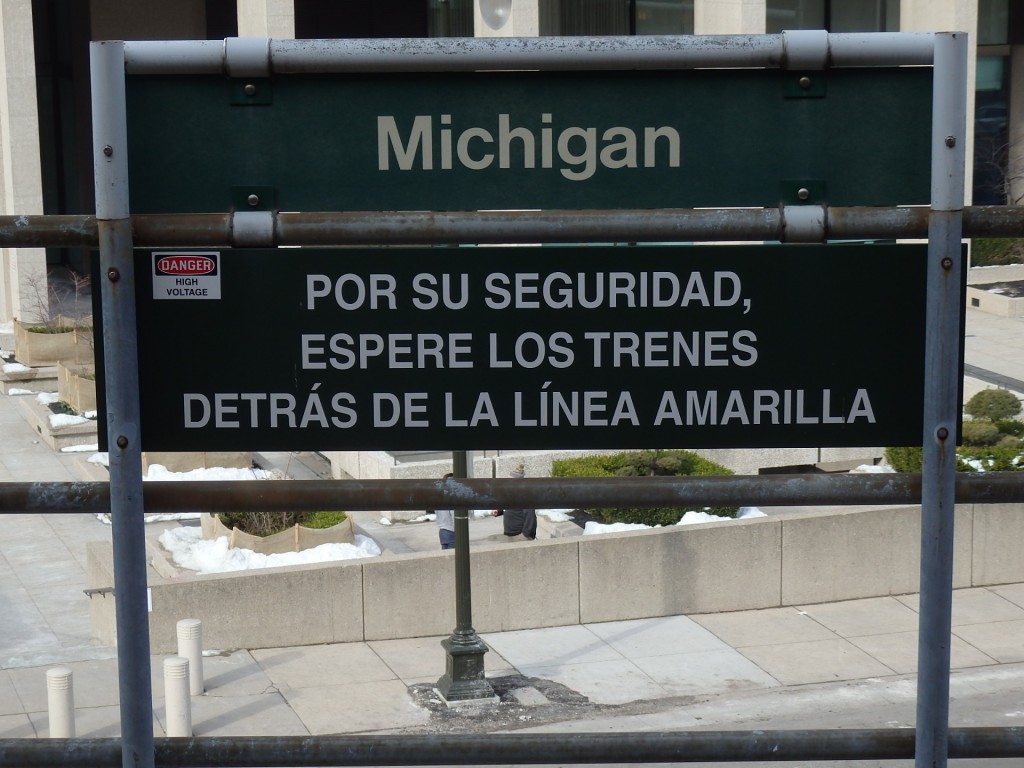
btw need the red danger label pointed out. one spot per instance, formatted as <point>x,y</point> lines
<point>186,265</point>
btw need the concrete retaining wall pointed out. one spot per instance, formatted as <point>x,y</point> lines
<point>996,274</point>
<point>746,564</point>
<point>994,303</point>
<point>379,465</point>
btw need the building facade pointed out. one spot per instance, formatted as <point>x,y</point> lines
<point>45,143</point>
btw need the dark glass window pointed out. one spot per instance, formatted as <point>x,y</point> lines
<point>347,19</point>
<point>663,17</point>
<point>991,139</point>
<point>993,22</point>
<point>616,17</point>
<point>833,15</point>
<point>451,18</point>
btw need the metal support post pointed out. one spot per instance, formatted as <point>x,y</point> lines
<point>110,152</point>
<point>941,399</point>
<point>463,679</point>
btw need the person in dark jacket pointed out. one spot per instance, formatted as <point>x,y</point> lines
<point>518,522</point>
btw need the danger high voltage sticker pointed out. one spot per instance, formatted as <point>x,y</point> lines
<point>186,275</point>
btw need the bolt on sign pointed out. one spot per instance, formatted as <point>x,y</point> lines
<point>568,347</point>
<point>524,140</point>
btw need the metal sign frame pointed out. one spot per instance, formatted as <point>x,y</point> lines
<point>945,52</point>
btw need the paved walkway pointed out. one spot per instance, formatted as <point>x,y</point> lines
<point>848,664</point>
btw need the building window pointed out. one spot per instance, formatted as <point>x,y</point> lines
<point>663,17</point>
<point>991,139</point>
<point>451,18</point>
<point>347,20</point>
<point>833,15</point>
<point>993,22</point>
<point>616,17</point>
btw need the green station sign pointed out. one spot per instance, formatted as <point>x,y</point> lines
<point>529,140</point>
<point>575,347</point>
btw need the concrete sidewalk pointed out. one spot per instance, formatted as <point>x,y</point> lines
<point>849,664</point>
<point>786,667</point>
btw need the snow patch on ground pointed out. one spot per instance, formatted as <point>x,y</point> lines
<point>189,550</point>
<point>689,518</point>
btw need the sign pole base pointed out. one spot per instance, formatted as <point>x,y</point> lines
<point>463,680</point>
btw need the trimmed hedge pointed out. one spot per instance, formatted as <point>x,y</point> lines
<point>905,458</point>
<point>992,441</point>
<point>980,432</point>
<point>1005,457</point>
<point>998,458</point>
<point>269,523</point>
<point>993,404</point>
<point>992,251</point>
<point>652,463</point>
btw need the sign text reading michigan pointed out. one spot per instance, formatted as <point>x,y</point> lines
<point>434,142</point>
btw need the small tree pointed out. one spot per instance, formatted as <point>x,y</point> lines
<point>993,404</point>
<point>60,305</point>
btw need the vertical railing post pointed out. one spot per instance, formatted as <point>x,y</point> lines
<point>121,378</point>
<point>941,397</point>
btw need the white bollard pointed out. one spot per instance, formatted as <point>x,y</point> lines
<point>176,698</point>
<point>190,646</point>
<point>60,702</point>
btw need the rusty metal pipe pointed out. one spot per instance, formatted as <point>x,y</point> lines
<point>480,493</point>
<point>214,230</point>
<point>517,749</point>
<point>38,231</point>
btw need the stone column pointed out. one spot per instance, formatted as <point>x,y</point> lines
<point>22,270</point>
<point>266,18</point>
<point>729,17</point>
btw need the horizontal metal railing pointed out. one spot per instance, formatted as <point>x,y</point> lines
<point>480,493</point>
<point>211,230</point>
<point>517,749</point>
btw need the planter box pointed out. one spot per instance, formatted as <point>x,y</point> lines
<point>295,539</point>
<point>29,379</point>
<point>185,461</point>
<point>57,437</point>
<point>76,386</point>
<point>38,349</point>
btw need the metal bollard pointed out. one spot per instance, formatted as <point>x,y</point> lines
<point>176,697</point>
<point>190,646</point>
<point>60,702</point>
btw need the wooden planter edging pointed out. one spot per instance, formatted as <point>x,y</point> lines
<point>38,349</point>
<point>76,386</point>
<point>295,539</point>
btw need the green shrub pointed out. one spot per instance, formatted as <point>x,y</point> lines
<point>1010,427</point>
<point>1005,457</point>
<point>993,404</point>
<point>905,458</point>
<point>980,432</point>
<point>992,251</point>
<point>53,329</point>
<point>325,519</point>
<point>269,523</point>
<point>667,463</point>
<point>997,458</point>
